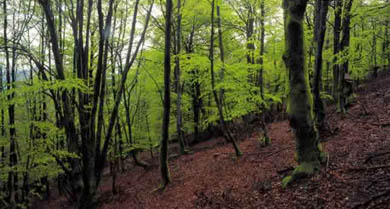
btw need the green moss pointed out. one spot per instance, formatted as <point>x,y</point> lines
<point>303,170</point>
<point>324,157</point>
<point>287,181</point>
<point>319,146</point>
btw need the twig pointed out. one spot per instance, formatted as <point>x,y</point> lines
<point>369,168</point>
<point>327,162</point>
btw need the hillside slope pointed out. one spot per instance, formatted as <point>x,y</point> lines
<point>357,174</point>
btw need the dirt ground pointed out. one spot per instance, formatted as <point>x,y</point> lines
<point>357,174</point>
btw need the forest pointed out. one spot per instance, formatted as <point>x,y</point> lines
<point>194,104</point>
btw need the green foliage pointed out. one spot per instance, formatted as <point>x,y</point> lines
<point>303,170</point>
<point>40,135</point>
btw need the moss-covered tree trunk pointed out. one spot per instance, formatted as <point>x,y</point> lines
<point>300,98</point>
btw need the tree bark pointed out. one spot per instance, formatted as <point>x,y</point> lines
<point>179,116</point>
<point>300,106</point>
<point>321,10</point>
<point>164,168</point>
<point>343,68</point>
<point>12,186</point>
<point>261,72</point>
<point>67,118</point>
<point>336,45</point>
<point>226,131</point>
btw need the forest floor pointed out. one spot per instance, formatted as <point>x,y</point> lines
<point>357,174</point>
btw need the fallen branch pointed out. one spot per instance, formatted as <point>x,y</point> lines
<point>269,153</point>
<point>372,199</point>
<point>369,168</point>
<point>374,156</point>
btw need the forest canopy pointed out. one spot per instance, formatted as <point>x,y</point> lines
<point>91,85</point>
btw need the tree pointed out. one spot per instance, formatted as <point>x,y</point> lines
<point>12,184</point>
<point>308,153</point>
<point>228,135</point>
<point>178,85</point>
<point>92,150</point>
<point>336,48</point>
<point>164,168</point>
<point>343,47</point>
<point>321,10</point>
<point>261,71</point>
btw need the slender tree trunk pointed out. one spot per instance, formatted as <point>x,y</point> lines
<point>388,40</point>
<point>222,54</point>
<point>197,105</point>
<point>375,67</point>
<point>12,186</point>
<point>164,168</point>
<point>2,128</point>
<point>387,35</point>
<point>226,131</point>
<point>321,10</point>
<point>250,46</point>
<point>336,47</point>
<point>261,72</point>
<point>195,93</point>
<point>180,133</point>
<point>343,68</point>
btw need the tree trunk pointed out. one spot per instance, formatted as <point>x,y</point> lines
<point>375,67</point>
<point>321,10</point>
<point>261,73</point>
<point>180,133</point>
<point>343,68</point>
<point>300,105</point>
<point>164,168</point>
<point>336,49</point>
<point>67,118</point>
<point>12,186</point>
<point>226,131</point>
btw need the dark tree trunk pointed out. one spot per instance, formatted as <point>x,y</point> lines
<point>343,68</point>
<point>164,168</point>
<point>299,107</point>
<point>197,105</point>
<point>336,47</point>
<point>67,118</point>
<point>261,72</point>
<point>177,72</point>
<point>226,131</point>
<point>12,185</point>
<point>195,87</point>
<point>375,67</point>
<point>130,59</point>
<point>321,10</point>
